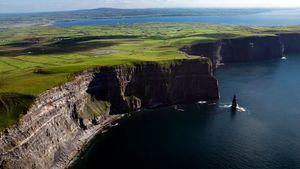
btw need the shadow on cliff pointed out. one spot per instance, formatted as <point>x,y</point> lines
<point>105,86</point>
<point>128,90</point>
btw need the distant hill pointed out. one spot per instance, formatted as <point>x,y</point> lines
<point>44,18</point>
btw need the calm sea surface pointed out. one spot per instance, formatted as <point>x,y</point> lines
<point>273,18</point>
<point>264,134</point>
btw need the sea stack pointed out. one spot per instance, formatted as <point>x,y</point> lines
<point>234,104</point>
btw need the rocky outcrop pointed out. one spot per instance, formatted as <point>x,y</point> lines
<point>239,50</point>
<point>62,120</point>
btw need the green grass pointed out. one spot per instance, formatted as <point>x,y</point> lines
<point>12,106</point>
<point>34,59</point>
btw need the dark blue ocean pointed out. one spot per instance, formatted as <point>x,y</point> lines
<point>264,134</point>
<point>271,18</point>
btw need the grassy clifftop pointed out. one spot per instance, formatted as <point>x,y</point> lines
<point>34,59</point>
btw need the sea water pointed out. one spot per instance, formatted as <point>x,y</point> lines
<point>263,134</point>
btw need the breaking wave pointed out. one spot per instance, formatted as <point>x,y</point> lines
<point>239,108</point>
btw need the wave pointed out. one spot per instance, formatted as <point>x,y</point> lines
<point>202,102</point>
<point>239,108</point>
<point>178,109</point>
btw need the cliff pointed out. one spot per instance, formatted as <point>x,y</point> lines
<point>291,42</point>
<point>239,50</point>
<point>62,120</point>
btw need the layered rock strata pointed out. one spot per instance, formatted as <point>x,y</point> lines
<point>62,120</point>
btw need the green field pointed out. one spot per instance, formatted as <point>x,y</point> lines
<point>34,59</point>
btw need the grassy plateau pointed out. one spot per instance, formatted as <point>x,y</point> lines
<point>35,59</point>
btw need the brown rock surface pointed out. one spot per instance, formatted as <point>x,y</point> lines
<point>62,120</point>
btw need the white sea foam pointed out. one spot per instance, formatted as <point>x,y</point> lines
<point>176,108</point>
<point>115,125</point>
<point>283,58</point>
<point>239,108</point>
<point>225,105</point>
<point>202,102</point>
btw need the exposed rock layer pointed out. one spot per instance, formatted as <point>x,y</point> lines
<point>152,85</point>
<point>247,49</point>
<point>62,120</point>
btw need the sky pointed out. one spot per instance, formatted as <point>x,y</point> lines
<point>17,6</point>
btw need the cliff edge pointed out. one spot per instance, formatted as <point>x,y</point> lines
<point>244,49</point>
<point>62,120</point>
<point>247,48</point>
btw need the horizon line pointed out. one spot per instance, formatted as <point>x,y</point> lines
<point>208,7</point>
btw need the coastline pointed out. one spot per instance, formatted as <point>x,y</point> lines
<point>63,120</point>
<point>107,123</point>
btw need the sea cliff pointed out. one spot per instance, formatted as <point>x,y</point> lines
<point>62,120</point>
<point>291,42</point>
<point>247,48</point>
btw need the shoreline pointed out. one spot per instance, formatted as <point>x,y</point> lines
<point>108,122</point>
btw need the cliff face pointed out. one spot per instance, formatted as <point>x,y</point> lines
<point>210,50</point>
<point>240,50</point>
<point>247,49</point>
<point>50,132</point>
<point>251,49</point>
<point>150,85</point>
<point>291,42</point>
<point>63,119</point>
